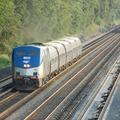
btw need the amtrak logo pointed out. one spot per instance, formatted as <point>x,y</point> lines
<point>25,61</point>
<point>26,57</point>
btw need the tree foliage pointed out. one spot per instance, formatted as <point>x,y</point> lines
<point>43,20</point>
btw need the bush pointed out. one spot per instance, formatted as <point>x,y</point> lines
<point>91,29</point>
<point>4,61</point>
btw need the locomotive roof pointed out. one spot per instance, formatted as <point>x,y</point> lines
<point>35,46</point>
<point>40,44</point>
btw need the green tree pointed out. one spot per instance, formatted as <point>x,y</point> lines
<point>9,23</point>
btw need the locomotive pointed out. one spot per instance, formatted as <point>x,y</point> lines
<point>36,63</point>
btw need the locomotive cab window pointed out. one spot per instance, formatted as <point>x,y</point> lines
<point>33,53</point>
<point>20,52</point>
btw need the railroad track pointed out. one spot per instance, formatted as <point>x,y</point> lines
<point>76,106</point>
<point>5,83</point>
<point>5,86</point>
<point>90,42</point>
<point>5,114</point>
<point>96,106</point>
<point>11,100</point>
<point>88,76</point>
<point>5,79</point>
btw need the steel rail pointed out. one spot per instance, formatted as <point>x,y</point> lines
<point>108,99</point>
<point>2,80</point>
<point>100,43</point>
<point>8,98</point>
<point>97,40</point>
<point>7,91</point>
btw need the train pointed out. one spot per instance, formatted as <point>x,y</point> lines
<point>36,63</point>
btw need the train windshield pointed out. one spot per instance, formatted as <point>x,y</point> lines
<point>33,53</point>
<point>20,52</point>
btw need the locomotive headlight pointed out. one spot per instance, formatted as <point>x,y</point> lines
<point>27,65</point>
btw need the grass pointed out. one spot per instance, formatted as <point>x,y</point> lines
<point>5,61</point>
<point>93,28</point>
